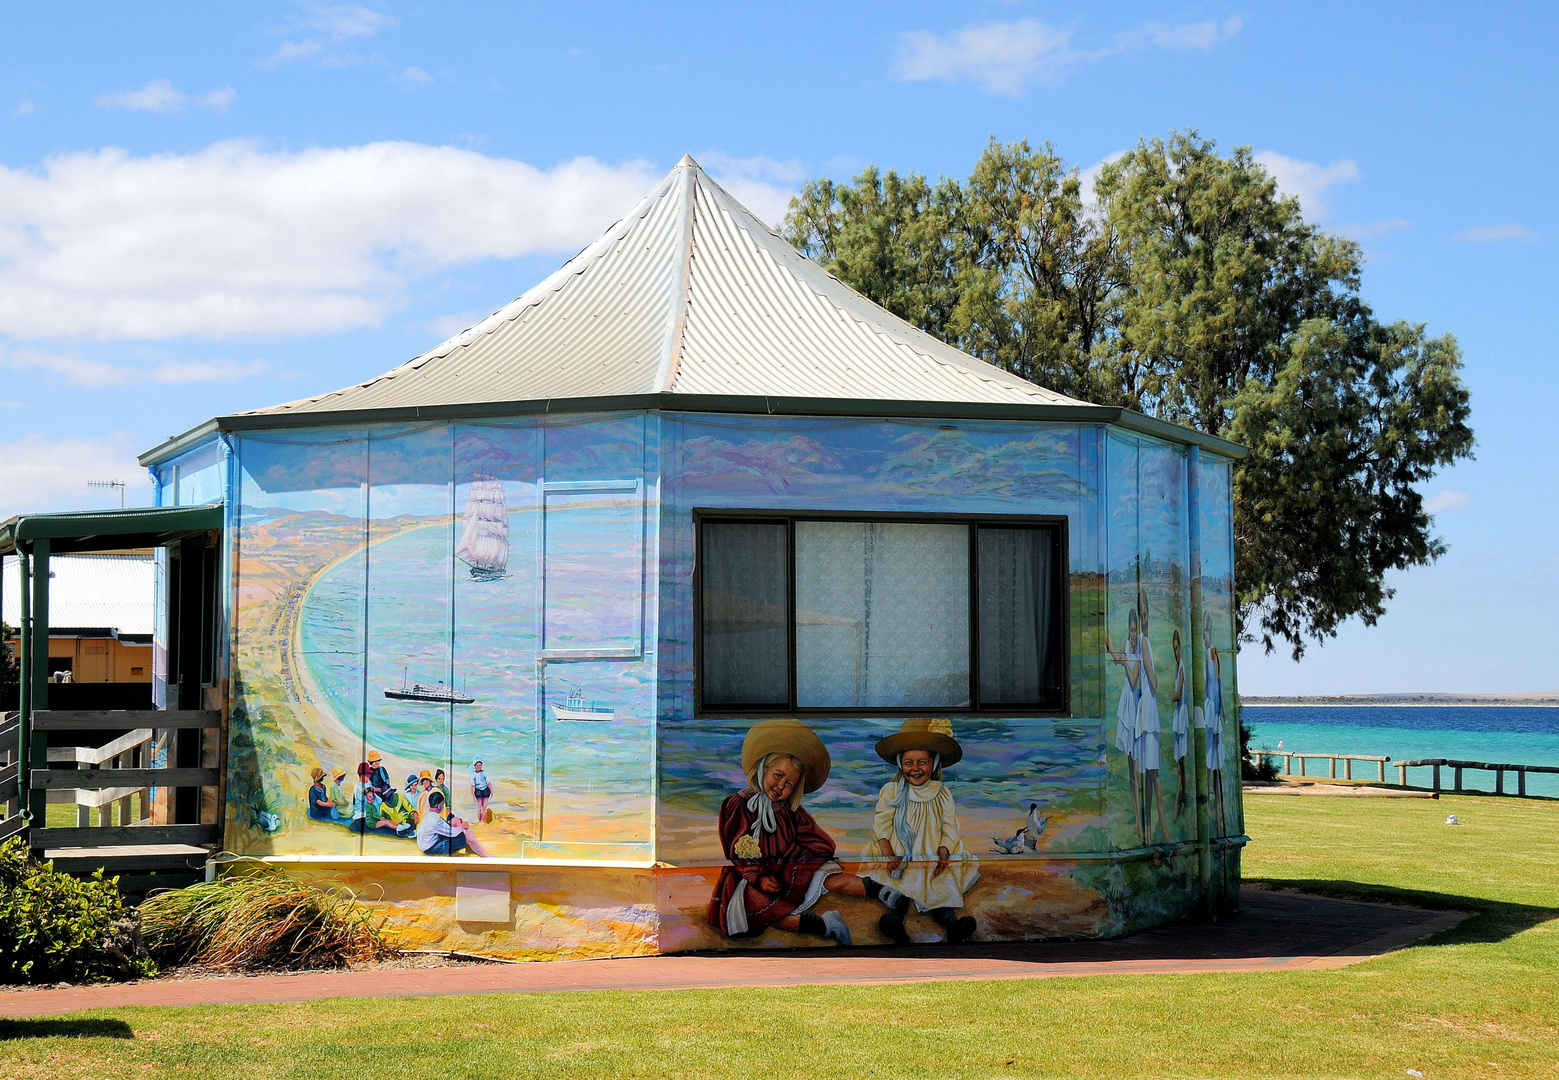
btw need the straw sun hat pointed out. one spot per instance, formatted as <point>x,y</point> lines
<point>787,737</point>
<point>935,736</point>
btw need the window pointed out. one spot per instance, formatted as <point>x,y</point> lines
<point>799,614</point>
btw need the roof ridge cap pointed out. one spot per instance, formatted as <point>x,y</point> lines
<point>682,284</point>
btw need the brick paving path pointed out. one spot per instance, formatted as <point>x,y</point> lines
<point>1273,931</point>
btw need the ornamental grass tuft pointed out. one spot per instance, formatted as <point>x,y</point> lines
<point>260,919</point>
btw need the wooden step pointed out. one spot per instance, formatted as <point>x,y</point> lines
<point>125,835</point>
<point>10,826</point>
<point>127,858</point>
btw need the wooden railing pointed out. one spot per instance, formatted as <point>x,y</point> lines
<point>103,777</point>
<point>1498,770</point>
<point>1288,757</point>
<point>1380,762</point>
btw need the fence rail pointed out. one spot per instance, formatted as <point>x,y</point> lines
<point>1288,757</point>
<point>1498,769</point>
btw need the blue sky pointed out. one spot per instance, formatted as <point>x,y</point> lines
<point>206,208</point>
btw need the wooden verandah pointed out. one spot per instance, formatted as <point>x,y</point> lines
<point>102,759</point>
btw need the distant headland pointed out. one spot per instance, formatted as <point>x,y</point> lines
<point>1545,699</point>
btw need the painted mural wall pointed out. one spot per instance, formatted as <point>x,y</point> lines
<point>449,617</point>
<point>476,641</point>
<point>1082,825</point>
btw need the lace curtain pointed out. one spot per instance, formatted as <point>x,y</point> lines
<point>882,615</point>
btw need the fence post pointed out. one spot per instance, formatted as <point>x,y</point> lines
<point>1499,781</point>
<point>1437,779</point>
<point>1331,760</point>
<point>1521,781</point>
<point>1458,777</point>
<point>1401,773</point>
<point>1347,767</point>
<point>1382,765</point>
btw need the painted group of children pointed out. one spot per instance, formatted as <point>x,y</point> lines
<point>782,861</point>
<point>1137,724</point>
<point>422,810</point>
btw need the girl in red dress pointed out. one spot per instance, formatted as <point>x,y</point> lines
<point>782,862</point>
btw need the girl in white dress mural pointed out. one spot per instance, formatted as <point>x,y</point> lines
<point>1212,719</point>
<point>917,854</point>
<point>1146,749</point>
<point>1128,713</point>
<point>1182,704</point>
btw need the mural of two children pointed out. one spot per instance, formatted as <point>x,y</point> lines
<point>782,862</point>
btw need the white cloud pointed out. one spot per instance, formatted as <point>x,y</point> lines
<point>333,24</point>
<point>1447,500</point>
<point>761,184</point>
<point>160,95</point>
<point>343,21</point>
<point>39,474</point>
<point>415,76</point>
<point>1005,57</point>
<point>1001,57</point>
<point>1484,234</point>
<point>24,108</point>
<point>235,239</point>
<point>1308,181</point>
<point>82,371</point>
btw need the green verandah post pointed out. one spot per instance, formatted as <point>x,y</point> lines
<point>38,748</point>
<point>23,679</point>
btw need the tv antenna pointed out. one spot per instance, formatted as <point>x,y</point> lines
<point>120,484</point>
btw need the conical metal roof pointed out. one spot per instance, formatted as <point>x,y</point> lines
<point>689,294</point>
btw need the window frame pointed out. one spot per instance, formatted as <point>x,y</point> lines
<point>1060,582</point>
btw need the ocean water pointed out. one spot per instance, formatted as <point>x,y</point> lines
<point>1496,734</point>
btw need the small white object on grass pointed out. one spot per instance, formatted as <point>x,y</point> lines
<point>1414,1072</point>
<point>1449,821</point>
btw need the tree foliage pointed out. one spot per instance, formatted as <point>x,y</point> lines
<point>1185,286</point>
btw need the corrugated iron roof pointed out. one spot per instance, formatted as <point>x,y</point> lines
<point>689,294</point>
<point>93,592</point>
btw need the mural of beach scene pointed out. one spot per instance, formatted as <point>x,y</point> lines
<point>415,634</point>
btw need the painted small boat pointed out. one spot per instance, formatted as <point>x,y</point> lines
<point>576,709</point>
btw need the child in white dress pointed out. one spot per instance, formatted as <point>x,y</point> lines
<point>1182,722</point>
<point>918,854</point>
<point>1212,719</point>
<point>1146,744</point>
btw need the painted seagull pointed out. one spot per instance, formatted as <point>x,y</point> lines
<point>1033,829</point>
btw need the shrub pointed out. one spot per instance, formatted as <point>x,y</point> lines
<point>55,928</point>
<point>260,919</point>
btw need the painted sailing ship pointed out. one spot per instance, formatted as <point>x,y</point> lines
<point>435,694</point>
<point>576,709</point>
<point>484,539</point>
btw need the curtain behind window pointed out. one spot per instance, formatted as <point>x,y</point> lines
<point>882,615</point>
<point>746,648</point>
<point>1015,615</point>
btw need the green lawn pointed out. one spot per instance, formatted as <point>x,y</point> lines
<point>1479,1001</point>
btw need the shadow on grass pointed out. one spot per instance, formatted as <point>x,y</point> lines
<point>1492,920</point>
<point>64,1029</point>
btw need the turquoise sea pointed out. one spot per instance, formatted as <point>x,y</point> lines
<point>1496,734</point>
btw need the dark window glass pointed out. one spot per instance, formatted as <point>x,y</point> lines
<point>1016,616</point>
<point>744,568</point>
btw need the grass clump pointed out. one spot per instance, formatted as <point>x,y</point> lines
<point>56,928</point>
<point>260,919</point>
